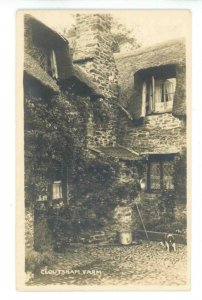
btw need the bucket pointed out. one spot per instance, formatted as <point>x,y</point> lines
<point>125,238</point>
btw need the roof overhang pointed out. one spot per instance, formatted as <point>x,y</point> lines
<point>33,69</point>
<point>127,154</point>
<point>118,152</point>
<point>44,35</point>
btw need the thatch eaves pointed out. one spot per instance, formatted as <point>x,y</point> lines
<point>33,69</point>
<point>164,54</point>
<point>83,77</point>
<point>170,52</point>
<point>44,37</point>
<point>44,34</point>
<point>49,38</point>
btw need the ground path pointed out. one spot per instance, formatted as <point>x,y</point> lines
<point>146,264</point>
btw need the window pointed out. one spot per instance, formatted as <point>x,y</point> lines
<point>160,174</point>
<point>46,59</point>
<point>155,90</point>
<point>158,95</point>
<point>57,190</point>
<point>53,64</point>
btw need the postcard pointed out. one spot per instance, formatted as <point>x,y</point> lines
<point>103,150</point>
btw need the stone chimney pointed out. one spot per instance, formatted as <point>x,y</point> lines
<point>93,51</point>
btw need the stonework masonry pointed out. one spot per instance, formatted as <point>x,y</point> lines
<point>161,133</point>
<point>93,51</point>
<point>94,55</point>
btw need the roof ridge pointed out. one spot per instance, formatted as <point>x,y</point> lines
<point>150,48</point>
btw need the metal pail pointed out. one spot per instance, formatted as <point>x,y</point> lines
<point>125,238</point>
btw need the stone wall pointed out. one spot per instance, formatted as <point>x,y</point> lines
<point>93,54</point>
<point>161,133</point>
<point>93,51</point>
<point>101,125</point>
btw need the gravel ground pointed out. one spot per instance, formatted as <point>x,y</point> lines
<point>146,264</point>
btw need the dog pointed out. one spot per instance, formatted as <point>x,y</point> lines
<point>169,243</point>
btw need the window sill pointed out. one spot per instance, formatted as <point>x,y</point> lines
<point>159,191</point>
<point>154,113</point>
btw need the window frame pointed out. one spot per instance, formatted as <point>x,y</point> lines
<point>57,183</point>
<point>150,105</point>
<point>161,160</point>
<point>148,90</point>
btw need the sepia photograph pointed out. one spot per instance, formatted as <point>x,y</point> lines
<point>103,197</point>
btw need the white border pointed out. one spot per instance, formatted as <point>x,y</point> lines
<point>7,161</point>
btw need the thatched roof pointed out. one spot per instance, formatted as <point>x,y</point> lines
<point>164,54</point>
<point>47,37</point>
<point>167,53</point>
<point>44,34</point>
<point>44,37</point>
<point>33,69</point>
<point>83,77</point>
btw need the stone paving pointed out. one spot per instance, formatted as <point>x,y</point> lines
<point>145,264</point>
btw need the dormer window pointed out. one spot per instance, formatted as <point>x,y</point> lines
<point>155,90</point>
<point>46,59</point>
<point>158,95</point>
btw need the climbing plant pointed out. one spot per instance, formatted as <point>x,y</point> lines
<point>53,132</point>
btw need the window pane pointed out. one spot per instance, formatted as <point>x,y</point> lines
<point>169,89</point>
<point>168,175</point>
<point>159,91</point>
<point>57,190</point>
<point>155,178</point>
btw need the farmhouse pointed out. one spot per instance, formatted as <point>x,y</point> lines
<point>96,124</point>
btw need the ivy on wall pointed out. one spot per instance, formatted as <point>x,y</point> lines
<point>54,133</point>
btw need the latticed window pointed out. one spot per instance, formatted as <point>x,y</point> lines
<point>160,175</point>
<point>168,171</point>
<point>155,175</point>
